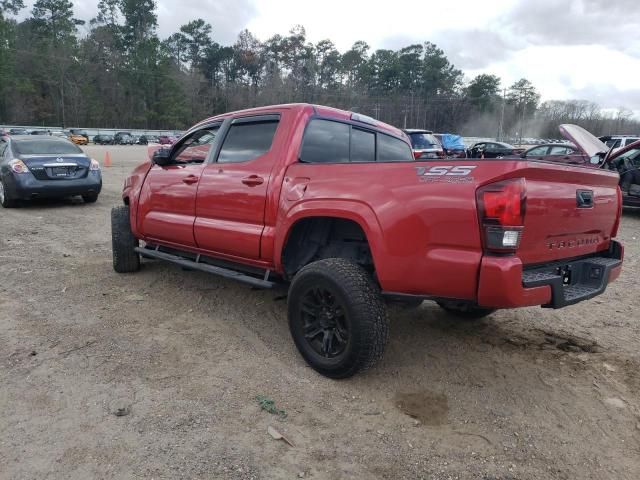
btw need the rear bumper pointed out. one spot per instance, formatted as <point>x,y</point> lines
<point>27,187</point>
<point>505,283</point>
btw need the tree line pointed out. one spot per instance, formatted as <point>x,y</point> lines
<point>116,71</point>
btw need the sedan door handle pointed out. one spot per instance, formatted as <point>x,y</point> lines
<point>253,180</point>
<point>191,179</point>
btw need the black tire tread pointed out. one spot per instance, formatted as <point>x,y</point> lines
<point>123,242</point>
<point>366,305</point>
<point>8,202</point>
<point>90,198</point>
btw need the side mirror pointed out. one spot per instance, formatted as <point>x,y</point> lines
<point>161,157</point>
<point>523,155</point>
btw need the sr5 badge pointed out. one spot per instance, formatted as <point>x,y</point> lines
<point>446,173</point>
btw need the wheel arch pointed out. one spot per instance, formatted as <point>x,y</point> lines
<point>356,213</point>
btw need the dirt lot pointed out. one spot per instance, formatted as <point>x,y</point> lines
<point>155,374</point>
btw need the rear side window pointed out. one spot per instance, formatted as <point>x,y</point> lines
<point>247,141</point>
<point>391,149</point>
<point>325,142</point>
<point>363,146</point>
<point>560,151</point>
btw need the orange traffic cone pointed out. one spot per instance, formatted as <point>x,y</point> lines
<point>107,159</point>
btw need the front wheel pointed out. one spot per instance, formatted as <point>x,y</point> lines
<point>337,317</point>
<point>123,242</point>
<point>465,310</point>
<point>5,200</point>
<point>90,198</point>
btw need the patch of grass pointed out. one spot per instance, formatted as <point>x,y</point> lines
<point>269,406</point>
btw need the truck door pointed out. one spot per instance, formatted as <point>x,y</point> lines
<point>168,198</point>
<point>230,205</point>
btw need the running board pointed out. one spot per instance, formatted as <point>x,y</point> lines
<point>204,267</point>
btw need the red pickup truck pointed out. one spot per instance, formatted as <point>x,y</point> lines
<point>333,204</point>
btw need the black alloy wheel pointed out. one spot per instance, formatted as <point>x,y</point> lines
<point>326,327</point>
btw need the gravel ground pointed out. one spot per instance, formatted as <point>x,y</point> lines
<point>155,374</point>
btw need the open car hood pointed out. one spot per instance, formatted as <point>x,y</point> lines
<point>585,141</point>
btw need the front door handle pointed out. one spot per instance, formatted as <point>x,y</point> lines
<point>253,180</point>
<point>191,179</point>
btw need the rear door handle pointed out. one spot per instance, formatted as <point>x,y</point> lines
<point>253,180</point>
<point>191,179</point>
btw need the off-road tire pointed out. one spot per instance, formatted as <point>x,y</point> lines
<point>125,258</point>
<point>465,310</point>
<point>6,201</point>
<point>364,311</point>
<point>91,198</point>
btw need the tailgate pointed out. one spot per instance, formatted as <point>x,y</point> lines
<point>570,211</point>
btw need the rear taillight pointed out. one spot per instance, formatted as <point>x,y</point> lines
<point>501,208</point>
<point>417,155</point>
<point>616,225</point>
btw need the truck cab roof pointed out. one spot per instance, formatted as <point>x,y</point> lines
<point>317,111</point>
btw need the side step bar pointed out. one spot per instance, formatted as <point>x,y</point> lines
<point>204,267</point>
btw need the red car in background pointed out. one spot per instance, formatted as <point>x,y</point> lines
<point>556,152</point>
<point>166,140</point>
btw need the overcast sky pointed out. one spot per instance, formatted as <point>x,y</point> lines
<point>586,49</point>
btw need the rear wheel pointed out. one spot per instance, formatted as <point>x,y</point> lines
<point>465,310</point>
<point>337,317</point>
<point>123,242</point>
<point>5,200</point>
<point>91,198</point>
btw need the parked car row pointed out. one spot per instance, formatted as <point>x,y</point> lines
<point>426,144</point>
<point>81,137</point>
